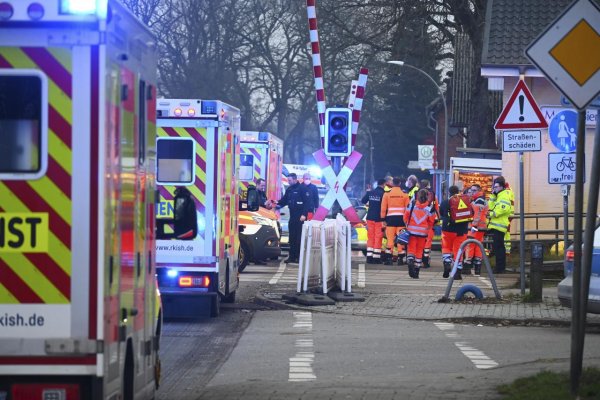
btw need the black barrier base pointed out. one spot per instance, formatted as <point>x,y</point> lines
<point>310,299</point>
<point>291,297</point>
<point>345,297</point>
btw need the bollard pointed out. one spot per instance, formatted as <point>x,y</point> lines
<point>536,272</point>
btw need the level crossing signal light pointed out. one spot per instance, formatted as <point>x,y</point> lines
<point>338,132</point>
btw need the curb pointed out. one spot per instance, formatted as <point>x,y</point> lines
<point>540,322</point>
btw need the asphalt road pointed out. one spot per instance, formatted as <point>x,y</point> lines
<point>253,353</point>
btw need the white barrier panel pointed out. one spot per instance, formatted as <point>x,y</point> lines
<point>309,270</point>
<point>325,255</point>
<point>328,265</point>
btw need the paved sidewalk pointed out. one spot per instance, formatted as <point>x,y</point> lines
<point>390,292</point>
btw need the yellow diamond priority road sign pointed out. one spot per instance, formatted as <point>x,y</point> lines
<point>568,52</point>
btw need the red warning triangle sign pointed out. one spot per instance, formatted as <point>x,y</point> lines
<point>521,111</point>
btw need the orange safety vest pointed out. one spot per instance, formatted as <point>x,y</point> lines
<point>480,209</point>
<point>394,203</point>
<point>421,220</point>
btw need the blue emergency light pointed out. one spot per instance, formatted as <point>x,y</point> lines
<point>82,7</point>
<point>172,273</point>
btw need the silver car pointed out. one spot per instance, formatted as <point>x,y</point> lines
<point>565,287</point>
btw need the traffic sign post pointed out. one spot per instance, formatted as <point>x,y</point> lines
<point>568,53</point>
<point>521,111</point>
<point>519,141</point>
<point>562,130</point>
<point>561,168</point>
<point>521,114</point>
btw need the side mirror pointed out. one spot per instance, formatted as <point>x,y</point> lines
<point>252,199</point>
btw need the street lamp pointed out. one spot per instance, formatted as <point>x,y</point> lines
<point>403,64</point>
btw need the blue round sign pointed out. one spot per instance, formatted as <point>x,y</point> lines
<point>563,131</point>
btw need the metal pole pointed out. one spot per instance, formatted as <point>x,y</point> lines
<point>336,163</point>
<point>590,226</point>
<point>565,189</point>
<point>577,328</point>
<point>445,179</point>
<point>522,222</point>
<point>364,177</point>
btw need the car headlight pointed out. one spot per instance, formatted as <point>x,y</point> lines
<point>262,220</point>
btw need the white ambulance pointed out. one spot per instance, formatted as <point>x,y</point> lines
<point>78,299</point>
<point>261,156</point>
<point>197,243</point>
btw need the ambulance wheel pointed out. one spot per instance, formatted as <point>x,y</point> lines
<point>128,373</point>
<point>230,298</point>
<point>474,290</point>
<point>215,306</point>
<point>243,256</point>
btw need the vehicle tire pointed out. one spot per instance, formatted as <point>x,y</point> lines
<point>243,257</point>
<point>474,290</point>
<point>128,373</point>
<point>230,298</point>
<point>215,306</point>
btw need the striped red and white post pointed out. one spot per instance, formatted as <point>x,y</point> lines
<point>317,68</point>
<point>358,100</point>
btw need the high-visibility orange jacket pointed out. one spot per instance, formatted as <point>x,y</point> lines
<point>480,208</point>
<point>393,206</point>
<point>419,219</point>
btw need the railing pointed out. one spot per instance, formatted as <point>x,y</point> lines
<point>548,236</point>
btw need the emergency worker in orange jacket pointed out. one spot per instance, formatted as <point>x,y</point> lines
<point>435,208</point>
<point>453,235</point>
<point>393,206</point>
<point>419,219</point>
<point>477,229</point>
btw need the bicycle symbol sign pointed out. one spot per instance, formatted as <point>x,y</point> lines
<point>561,168</point>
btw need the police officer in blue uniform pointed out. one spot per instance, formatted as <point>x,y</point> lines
<point>295,198</point>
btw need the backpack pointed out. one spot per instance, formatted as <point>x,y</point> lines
<point>460,208</point>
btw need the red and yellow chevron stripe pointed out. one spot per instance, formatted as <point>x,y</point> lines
<point>256,173</point>
<point>45,276</point>
<point>198,189</point>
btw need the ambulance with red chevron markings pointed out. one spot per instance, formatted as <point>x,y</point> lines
<point>78,296</point>
<point>197,242</point>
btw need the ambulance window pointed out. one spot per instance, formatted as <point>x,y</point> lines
<point>23,116</point>
<point>246,167</point>
<point>175,161</point>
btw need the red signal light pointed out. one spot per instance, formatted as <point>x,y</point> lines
<point>194,281</point>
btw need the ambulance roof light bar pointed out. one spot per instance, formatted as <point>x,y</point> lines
<point>78,7</point>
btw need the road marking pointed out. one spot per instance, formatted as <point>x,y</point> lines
<point>477,357</point>
<point>361,275</point>
<point>278,274</point>
<point>301,364</point>
<point>486,282</point>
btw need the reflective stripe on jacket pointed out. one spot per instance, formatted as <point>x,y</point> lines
<point>421,218</point>
<point>500,210</point>
<point>394,203</point>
